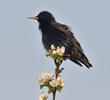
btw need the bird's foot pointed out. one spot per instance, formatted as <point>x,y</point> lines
<point>66,55</point>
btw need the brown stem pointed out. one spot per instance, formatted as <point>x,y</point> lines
<point>54,93</point>
<point>57,72</point>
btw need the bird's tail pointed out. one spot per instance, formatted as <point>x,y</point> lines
<point>81,58</point>
<point>75,61</point>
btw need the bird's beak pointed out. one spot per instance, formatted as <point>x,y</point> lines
<point>33,18</point>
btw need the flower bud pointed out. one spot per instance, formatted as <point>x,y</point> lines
<point>54,52</point>
<point>53,47</point>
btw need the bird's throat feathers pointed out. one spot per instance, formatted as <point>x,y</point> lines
<point>44,27</point>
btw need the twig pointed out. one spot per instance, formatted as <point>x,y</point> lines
<point>57,72</point>
<point>54,94</point>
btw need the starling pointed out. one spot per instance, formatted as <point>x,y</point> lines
<point>60,35</point>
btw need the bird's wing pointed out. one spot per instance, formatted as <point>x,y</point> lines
<point>68,32</point>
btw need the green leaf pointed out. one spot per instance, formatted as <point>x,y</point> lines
<point>41,86</point>
<point>57,60</point>
<point>61,59</point>
<point>59,89</point>
<point>46,84</point>
<point>49,91</point>
<point>51,56</point>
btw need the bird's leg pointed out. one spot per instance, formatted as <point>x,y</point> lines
<point>66,55</point>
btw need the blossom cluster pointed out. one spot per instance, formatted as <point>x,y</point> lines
<point>58,50</point>
<point>46,79</point>
<point>56,53</point>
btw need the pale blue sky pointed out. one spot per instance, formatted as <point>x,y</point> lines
<point>22,56</point>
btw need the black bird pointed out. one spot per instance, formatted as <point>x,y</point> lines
<point>60,35</point>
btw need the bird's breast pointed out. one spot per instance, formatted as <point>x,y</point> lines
<point>49,38</point>
<point>52,35</point>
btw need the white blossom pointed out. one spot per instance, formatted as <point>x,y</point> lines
<point>43,96</point>
<point>49,76</point>
<point>57,82</point>
<point>61,50</point>
<point>44,77</point>
<point>60,81</point>
<point>53,83</point>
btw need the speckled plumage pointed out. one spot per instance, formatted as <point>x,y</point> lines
<point>60,35</point>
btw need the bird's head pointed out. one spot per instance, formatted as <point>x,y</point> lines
<point>44,17</point>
